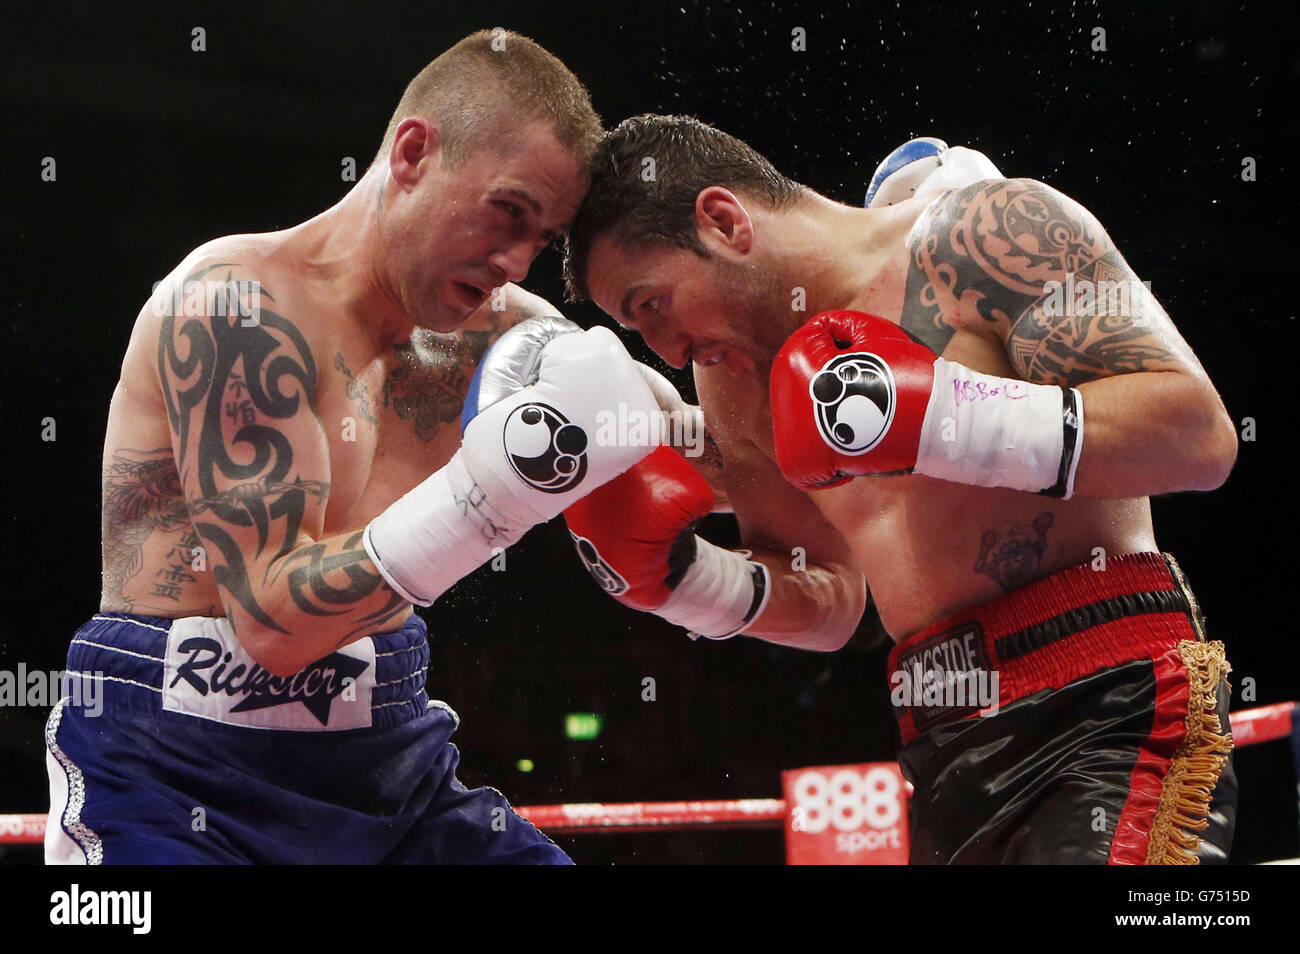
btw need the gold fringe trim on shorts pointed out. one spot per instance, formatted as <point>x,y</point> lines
<point>1199,760</point>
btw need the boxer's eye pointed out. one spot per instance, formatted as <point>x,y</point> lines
<point>515,212</point>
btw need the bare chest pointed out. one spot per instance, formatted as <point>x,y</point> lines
<point>929,547</point>
<point>390,422</point>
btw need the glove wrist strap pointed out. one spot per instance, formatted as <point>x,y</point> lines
<point>720,594</point>
<point>989,431</point>
<point>442,530</point>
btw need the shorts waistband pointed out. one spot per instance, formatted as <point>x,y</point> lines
<point>195,666</point>
<point>1044,635</point>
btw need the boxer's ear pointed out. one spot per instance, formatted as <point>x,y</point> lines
<point>415,141</point>
<point>723,222</point>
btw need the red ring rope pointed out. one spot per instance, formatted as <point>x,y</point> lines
<point>1249,727</point>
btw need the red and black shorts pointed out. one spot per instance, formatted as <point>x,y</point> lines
<point>1082,719</point>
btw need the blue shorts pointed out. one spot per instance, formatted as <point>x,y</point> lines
<point>171,746</point>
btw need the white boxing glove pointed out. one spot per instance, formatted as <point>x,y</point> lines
<point>683,424</point>
<point>923,165</point>
<point>529,448</point>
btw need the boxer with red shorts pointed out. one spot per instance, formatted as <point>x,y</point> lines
<point>962,398</point>
<point>1111,708</point>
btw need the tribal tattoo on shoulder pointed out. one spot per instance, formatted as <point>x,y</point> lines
<point>253,368</point>
<point>1009,254</point>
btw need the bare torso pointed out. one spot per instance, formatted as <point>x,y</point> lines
<point>388,413</point>
<point>929,548</point>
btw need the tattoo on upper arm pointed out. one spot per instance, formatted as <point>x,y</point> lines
<point>990,252</point>
<point>142,496</point>
<point>1070,349</point>
<point>258,375</point>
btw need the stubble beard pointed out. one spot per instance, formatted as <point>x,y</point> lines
<point>762,317</point>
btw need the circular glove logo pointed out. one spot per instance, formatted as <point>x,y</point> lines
<point>605,575</point>
<point>853,401</point>
<point>545,450</point>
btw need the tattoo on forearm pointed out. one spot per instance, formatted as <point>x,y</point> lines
<point>1012,555</point>
<point>170,580</point>
<point>989,251</point>
<point>307,570</point>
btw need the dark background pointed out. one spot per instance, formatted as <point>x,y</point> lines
<point>160,148</point>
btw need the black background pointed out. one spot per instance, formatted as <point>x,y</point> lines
<point>160,148</point>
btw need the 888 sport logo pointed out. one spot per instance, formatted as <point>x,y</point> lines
<point>846,801</point>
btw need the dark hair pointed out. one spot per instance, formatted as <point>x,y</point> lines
<point>646,175</point>
<point>479,92</point>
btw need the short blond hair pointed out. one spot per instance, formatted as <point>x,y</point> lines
<point>485,90</point>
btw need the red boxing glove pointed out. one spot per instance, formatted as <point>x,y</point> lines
<point>849,395</point>
<point>854,394</point>
<point>626,530</point>
<point>635,535</point>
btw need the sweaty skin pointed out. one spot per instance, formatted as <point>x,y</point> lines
<point>963,271</point>
<point>281,390</point>
<point>398,407</point>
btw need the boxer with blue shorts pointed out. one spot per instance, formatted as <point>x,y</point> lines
<point>283,478</point>
<point>200,757</point>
